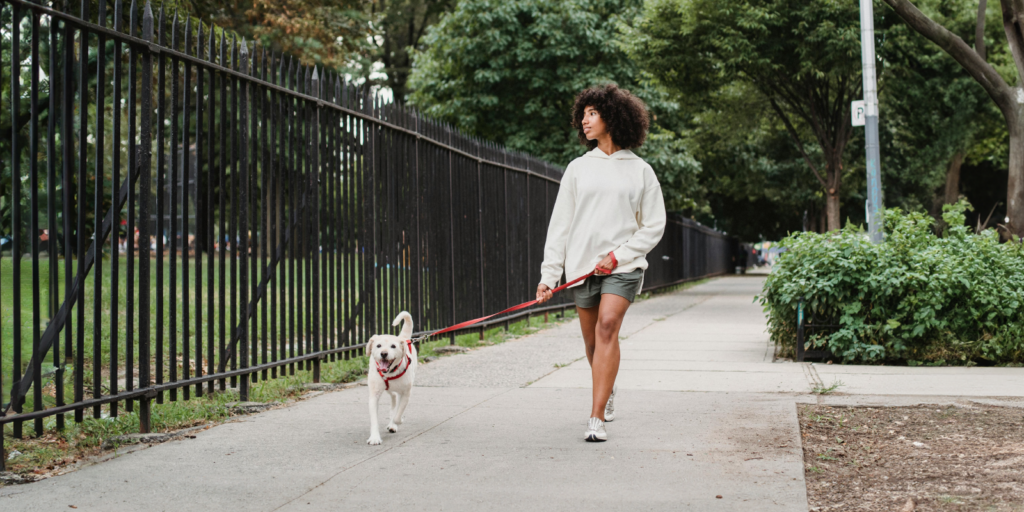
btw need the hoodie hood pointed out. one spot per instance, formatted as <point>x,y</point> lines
<point>622,154</point>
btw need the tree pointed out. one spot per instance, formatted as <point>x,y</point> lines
<point>933,112</point>
<point>402,26</point>
<point>1008,99</point>
<point>801,56</point>
<point>334,33</point>
<point>509,71</point>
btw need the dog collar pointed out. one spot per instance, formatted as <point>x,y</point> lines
<point>408,362</point>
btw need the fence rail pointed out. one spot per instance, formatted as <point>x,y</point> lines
<point>202,214</point>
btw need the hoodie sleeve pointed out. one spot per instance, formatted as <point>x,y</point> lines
<point>651,224</point>
<point>558,231</point>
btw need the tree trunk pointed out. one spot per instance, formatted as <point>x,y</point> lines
<point>832,209</point>
<point>833,177</point>
<point>950,193</point>
<point>953,178</point>
<point>1015,180</point>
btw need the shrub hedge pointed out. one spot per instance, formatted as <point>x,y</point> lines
<point>917,298</point>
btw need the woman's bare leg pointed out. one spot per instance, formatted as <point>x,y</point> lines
<point>600,327</point>
<point>588,323</point>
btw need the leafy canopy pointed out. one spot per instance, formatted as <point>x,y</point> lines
<point>509,71</point>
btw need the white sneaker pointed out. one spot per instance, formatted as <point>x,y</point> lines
<point>609,408</point>
<point>595,431</point>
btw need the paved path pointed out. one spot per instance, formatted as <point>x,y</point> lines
<point>703,411</point>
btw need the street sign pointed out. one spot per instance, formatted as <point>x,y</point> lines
<point>857,112</point>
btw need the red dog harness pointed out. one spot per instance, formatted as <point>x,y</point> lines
<point>408,362</point>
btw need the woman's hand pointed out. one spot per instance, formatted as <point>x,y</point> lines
<point>606,265</point>
<point>543,293</point>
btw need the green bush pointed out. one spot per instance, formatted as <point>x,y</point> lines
<point>917,298</point>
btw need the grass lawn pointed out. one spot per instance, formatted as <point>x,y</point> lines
<point>179,301</point>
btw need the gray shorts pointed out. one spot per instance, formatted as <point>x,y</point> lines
<point>588,294</point>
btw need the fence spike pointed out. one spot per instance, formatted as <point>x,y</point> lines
<point>147,22</point>
<point>188,34</point>
<point>199,45</point>
<point>132,22</point>
<point>174,31</point>
<point>118,15</point>
<point>209,49</point>
<point>160,35</point>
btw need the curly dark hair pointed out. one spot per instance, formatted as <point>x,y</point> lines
<point>624,114</point>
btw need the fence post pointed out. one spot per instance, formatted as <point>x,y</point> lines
<point>243,220</point>
<point>145,183</point>
<point>451,230</point>
<point>314,178</point>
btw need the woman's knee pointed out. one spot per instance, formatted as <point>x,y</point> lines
<point>607,327</point>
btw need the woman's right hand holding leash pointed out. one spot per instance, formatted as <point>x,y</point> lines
<point>543,293</point>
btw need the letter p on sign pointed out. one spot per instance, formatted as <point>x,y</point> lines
<point>857,112</point>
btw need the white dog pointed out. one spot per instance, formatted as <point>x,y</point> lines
<point>393,363</point>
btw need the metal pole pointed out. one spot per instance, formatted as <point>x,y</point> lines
<point>875,211</point>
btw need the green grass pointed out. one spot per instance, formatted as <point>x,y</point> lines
<point>179,301</point>
<point>826,390</point>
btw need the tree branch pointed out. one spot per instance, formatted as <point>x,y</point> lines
<point>980,70</point>
<point>796,138</point>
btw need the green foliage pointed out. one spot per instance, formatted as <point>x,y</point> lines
<point>748,72</point>
<point>918,297</point>
<point>931,107</point>
<point>509,71</point>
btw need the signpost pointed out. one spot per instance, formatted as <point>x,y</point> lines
<point>876,209</point>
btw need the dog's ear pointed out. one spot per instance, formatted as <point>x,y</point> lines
<point>369,345</point>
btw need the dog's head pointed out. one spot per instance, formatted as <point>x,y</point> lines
<point>386,351</point>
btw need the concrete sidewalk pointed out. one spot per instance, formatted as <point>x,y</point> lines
<point>702,412</point>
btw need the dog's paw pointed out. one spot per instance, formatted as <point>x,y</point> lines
<point>392,427</point>
<point>374,440</point>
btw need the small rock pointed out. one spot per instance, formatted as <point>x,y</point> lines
<point>10,478</point>
<point>719,496</point>
<point>429,359</point>
<point>451,349</point>
<point>909,506</point>
<point>918,444</point>
<point>247,407</point>
<point>13,454</point>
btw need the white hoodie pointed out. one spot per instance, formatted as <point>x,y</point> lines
<point>606,203</point>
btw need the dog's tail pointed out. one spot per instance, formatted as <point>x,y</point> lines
<point>405,317</point>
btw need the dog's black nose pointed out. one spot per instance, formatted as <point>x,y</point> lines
<point>384,354</point>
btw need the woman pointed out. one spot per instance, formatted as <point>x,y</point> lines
<point>608,215</point>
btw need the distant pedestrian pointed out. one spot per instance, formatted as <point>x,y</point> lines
<point>608,215</point>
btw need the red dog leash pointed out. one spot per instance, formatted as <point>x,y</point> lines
<point>467,323</point>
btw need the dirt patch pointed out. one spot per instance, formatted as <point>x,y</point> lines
<point>943,458</point>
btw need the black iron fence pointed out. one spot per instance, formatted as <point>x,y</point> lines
<point>185,214</point>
